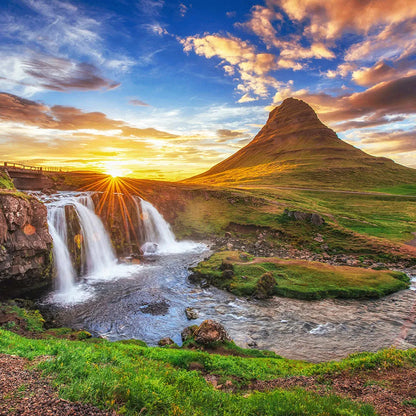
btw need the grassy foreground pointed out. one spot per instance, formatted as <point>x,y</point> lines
<point>245,275</point>
<point>133,379</point>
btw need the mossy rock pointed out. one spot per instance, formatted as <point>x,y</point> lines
<point>265,286</point>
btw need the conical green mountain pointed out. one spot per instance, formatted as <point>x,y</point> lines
<point>294,148</point>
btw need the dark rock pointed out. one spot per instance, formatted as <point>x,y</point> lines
<point>210,331</point>
<point>188,332</point>
<point>226,265</point>
<point>191,313</point>
<point>227,234</point>
<point>165,341</point>
<point>317,220</point>
<point>156,308</point>
<point>228,274</point>
<point>300,216</point>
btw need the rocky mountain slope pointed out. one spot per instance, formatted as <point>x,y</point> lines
<point>296,148</point>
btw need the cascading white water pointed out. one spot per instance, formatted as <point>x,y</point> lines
<point>97,251</point>
<point>99,254</point>
<point>58,229</point>
<point>155,228</point>
<point>157,234</point>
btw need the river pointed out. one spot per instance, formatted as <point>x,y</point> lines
<point>147,301</point>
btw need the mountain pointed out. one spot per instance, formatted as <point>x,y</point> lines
<point>294,148</point>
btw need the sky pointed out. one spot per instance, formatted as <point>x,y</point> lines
<point>165,89</point>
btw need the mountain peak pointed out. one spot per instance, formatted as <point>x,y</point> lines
<point>293,114</point>
<point>295,148</point>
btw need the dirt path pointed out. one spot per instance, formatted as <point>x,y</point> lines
<point>24,392</point>
<point>386,390</point>
<point>338,191</point>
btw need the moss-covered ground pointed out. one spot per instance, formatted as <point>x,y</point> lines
<point>241,274</point>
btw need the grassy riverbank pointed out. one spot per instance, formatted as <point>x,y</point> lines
<point>131,378</point>
<point>244,275</point>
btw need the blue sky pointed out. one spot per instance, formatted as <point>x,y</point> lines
<point>165,89</point>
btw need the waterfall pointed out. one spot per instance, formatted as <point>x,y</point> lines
<point>97,252</point>
<point>58,229</point>
<point>157,234</point>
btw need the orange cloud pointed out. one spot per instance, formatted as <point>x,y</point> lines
<point>328,20</point>
<point>373,106</point>
<point>238,56</point>
<point>20,110</point>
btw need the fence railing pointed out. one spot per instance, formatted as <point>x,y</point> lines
<point>20,167</point>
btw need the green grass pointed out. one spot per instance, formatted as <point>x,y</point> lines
<point>407,189</point>
<point>5,181</point>
<point>298,278</point>
<point>32,320</point>
<point>133,380</point>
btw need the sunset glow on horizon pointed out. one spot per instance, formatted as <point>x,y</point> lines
<point>164,90</point>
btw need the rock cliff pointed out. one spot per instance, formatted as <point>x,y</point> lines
<point>25,246</point>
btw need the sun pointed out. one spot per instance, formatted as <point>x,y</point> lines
<point>115,172</point>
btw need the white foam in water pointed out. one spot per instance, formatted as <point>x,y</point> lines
<point>412,282</point>
<point>117,271</point>
<point>158,236</point>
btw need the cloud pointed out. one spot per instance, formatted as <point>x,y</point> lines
<point>373,106</point>
<point>329,20</point>
<point>43,72</point>
<point>56,45</point>
<point>151,7</point>
<point>19,110</point>
<point>261,23</point>
<point>390,42</point>
<point>382,71</point>
<point>396,142</point>
<point>237,57</point>
<point>225,135</point>
<point>183,9</point>
<point>139,103</point>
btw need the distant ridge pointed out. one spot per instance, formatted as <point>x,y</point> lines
<point>295,148</point>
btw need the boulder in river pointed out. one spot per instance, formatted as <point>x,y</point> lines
<point>210,331</point>
<point>191,313</point>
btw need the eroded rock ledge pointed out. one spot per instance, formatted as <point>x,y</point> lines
<point>25,246</point>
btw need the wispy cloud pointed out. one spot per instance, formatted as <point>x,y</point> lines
<point>138,103</point>
<point>56,45</point>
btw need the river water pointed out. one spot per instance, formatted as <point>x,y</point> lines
<point>149,303</point>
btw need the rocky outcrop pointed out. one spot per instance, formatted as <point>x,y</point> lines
<point>25,246</point>
<point>313,218</point>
